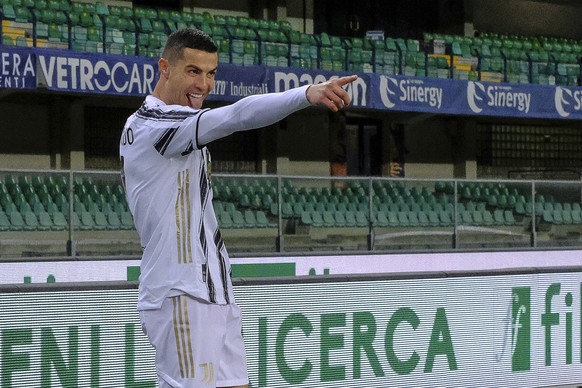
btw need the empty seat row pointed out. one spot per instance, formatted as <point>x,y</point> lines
<point>57,221</point>
<point>249,219</point>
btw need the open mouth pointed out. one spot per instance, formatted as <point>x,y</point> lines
<point>194,99</point>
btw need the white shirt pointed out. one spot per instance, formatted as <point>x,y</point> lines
<point>166,178</point>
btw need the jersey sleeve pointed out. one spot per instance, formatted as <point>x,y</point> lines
<point>251,112</point>
<point>176,131</point>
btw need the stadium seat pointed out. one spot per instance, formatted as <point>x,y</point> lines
<point>381,220</point>
<point>403,220</point>
<point>225,220</point>
<point>126,220</point>
<point>101,221</point>
<point>328,219</point>
<point>567,217</point>
<point>17,222</point>
<point>87,222</point>
<point>4,222</point>
<point>250,219</point>
<point>238,220</point>
<point>263,221</point>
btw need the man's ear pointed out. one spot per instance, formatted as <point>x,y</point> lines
<point>163,66</point>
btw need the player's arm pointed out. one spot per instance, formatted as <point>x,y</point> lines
<point>258,111</point>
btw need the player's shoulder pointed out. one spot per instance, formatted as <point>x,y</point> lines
<point>156,110</point>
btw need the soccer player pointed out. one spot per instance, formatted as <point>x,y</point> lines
<point>186,302</point>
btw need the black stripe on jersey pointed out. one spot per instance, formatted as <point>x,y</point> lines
<point>223,270</point>
<point>197,126</point>
<point>204,186</point>
<point>164,141</point>
<point>211,289</point>
<point>203,243</point>
<point>147,113</point>
<point>189,149</point>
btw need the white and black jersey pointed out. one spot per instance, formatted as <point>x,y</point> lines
<point>166,177</point>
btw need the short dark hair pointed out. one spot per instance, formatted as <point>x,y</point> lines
<point>187,38</point>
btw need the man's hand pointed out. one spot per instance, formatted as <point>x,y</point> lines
<point>395,169</point>
<point>331,93</point>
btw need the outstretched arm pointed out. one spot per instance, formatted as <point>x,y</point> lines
<point>265,109</point>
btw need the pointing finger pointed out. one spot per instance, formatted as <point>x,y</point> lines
<point>346,80</point>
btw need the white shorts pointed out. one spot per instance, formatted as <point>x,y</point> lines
<point>197,344</point>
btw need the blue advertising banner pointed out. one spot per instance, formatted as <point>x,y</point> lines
<point>17,68</point>
<point>235,82</point>
<point>75,71</point>
<point>284,78</point>
<point>451,96</point>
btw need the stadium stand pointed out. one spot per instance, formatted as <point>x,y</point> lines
<point>45,203</point>
<point>310,214</point>
<point>138,30</point>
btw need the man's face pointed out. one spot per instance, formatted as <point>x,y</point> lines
<point>190,79</point>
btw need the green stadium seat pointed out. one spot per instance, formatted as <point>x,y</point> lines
<point>477,217</point>
<point>392,217</point>
<point>576,215</point>
<point>238,219</point>
<point>445,218</point>
<point>317,219</point>
<point>101,221</point>
<point>328,219</point>
<point>340,219</point>
<point>250,219</point>
<point>263,221</point>
<point>306,218</point>
<point>557,216</point>
<point>58,222</point>
<point>350,218</point>
<point>403,220</point>
<point>567,217</point>
<point>113,221</point>
<point>413,219</point>
<point>4,222</point>
<point>22,41</point>
<point>361,219</point>
<point>17,222</point>
<point>423,219</point>
<point>381,219</point>
<point>88,223</point>
<point>7,40</point>
<point>225,220</point>
<point>33,223</point>
<point>433,218</point>
<point>22,15</point>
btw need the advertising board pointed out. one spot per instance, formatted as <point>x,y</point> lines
<point>512,330</point>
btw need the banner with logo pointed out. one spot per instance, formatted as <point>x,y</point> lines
<point>281,79</point>
<point>235,82</point>
<point>17,68</point>
<point>451,96</point>
<point>512,330</point>
<point>77,71</point>
<point>498,331</point>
